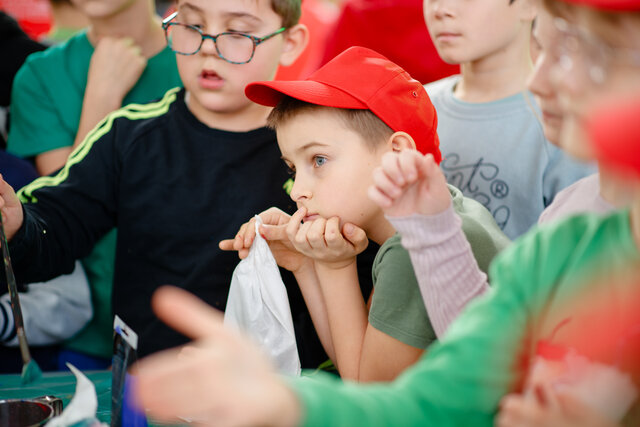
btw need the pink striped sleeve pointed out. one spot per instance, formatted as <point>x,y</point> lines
<point>447,272</point>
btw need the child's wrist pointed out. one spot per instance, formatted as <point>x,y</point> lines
<point>306,268</point>
<point>335,264</point>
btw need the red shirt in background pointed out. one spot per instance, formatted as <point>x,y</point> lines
<point>33,16</point>
<point>320,17</point>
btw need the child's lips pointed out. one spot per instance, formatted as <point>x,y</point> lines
<point>310,217</point>
<point>446,36</point>
<point>210,80</point>
<point>551,115</point>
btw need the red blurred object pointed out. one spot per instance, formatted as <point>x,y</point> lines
<point>609,327</point>
<point>394,28</point>
<point>614,129</point>
<point>320,17</point>
<point>33,16</point>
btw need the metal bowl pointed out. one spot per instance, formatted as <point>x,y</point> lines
<point>28,412</point>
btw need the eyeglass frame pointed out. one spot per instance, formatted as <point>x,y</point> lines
<point>596,71</point>
<point>166,23</point>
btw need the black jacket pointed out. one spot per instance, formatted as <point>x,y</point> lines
<point>174,188</point>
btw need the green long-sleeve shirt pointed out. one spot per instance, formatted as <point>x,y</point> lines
<point>485,353</point>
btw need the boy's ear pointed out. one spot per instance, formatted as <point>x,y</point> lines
<point>296,39</point>
<point>401,141</point>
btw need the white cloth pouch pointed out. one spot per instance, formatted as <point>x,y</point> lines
<point>258,305</point>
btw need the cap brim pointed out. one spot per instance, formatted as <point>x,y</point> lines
<point>270,93</point>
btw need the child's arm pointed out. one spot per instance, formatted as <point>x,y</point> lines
<point>361,351</point>
<point>53,311</point>
<point>116,65</point>
<point>406,184</point>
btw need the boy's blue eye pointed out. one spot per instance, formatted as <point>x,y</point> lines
<point>319,160</point>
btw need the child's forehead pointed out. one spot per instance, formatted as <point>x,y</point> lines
<point>226,9</point>
<point>318,128</point>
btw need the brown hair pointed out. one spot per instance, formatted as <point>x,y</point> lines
<point>289,11</point>
<point>369,126</point>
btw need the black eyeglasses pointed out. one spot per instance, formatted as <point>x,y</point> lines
<point>233,47</point>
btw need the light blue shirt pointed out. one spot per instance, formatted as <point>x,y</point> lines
<point>496,153</point>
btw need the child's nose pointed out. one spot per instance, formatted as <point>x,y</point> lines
<point>438,8</point>
<point>299,191</point>
<point>209,47</point>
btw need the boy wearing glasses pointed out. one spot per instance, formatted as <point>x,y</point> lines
<point>176,176</point>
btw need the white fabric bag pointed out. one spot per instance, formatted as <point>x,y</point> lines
<point>258,305</point>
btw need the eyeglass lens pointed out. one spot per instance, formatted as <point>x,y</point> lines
<point>237,48</point>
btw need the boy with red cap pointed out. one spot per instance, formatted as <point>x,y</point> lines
<point>487,353</point>
<point>333,129</point>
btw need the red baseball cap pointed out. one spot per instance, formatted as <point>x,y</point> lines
<point>615,134</point>
<point>611,5</point>
<point>360,78</point>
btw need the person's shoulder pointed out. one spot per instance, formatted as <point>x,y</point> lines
<point>574,235</point>
<point>59,51</point>
<point>479,227</point>
<point>581,196</point>
<point>391,243</point>
<point>467,206</point>
<point>391,251</point>
<point>52,63</point>
<point>136,121</point>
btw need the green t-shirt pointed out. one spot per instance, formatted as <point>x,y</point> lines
<point>46,105</point>
<point>397,308</point>
<point>483,356</point>
<point>48,91</point>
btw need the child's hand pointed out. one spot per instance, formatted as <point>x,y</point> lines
<point>11,209</point>
<point>548,409</point>
<point>116,65</point>
<point>273,229</point>
<point>226,382</point>
<point>407,182</point>
<point>322,239</point>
